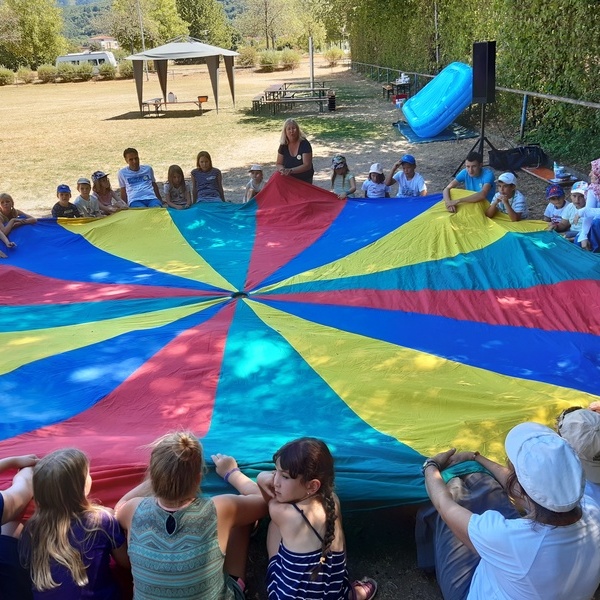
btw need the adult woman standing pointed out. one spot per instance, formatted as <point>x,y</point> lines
<point>182,544</point>
<point>551,552</point>
<point>294,156</point>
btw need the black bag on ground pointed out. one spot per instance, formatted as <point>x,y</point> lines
<point>516,158</point>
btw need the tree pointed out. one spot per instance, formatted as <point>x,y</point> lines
<point>30,33</point>
<point>160,20</point>
<point>207,21</point>
<point>274,19</point>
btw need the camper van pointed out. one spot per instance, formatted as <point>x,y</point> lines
<point>94,58</point>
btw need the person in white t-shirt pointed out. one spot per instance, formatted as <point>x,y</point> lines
<point>557,204</point>
<point>550,553</point>
<point>410,183</point>
<point>567,225</point>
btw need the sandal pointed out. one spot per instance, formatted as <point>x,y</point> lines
<point>368,585</point>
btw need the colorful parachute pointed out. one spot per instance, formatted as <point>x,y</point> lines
<point>390,328</point>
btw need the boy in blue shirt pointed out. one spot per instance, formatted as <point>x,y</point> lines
<point>476,178</point>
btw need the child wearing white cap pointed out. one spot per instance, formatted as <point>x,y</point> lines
<point>256,183</point>
<point>88,205</point>
<point>375,186</point>
<point>550,552</point>
<point>508,199</point>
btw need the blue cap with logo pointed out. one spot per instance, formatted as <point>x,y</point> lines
<point>554,191</point>
<point>63,188</point>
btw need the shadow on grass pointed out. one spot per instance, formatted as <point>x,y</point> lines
<point>350,122</point>
<point>170,114</point>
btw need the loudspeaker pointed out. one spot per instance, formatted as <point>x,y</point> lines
<point>484,72</point>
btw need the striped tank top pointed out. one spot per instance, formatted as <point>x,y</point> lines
<point>289,576</point>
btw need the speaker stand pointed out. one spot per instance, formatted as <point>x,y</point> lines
<point>481,140</point>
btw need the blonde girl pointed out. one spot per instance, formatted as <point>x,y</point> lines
<point>176,190</point>
<point>305,541</point>
<point>207,181</point>
<point>183,544</point>
<point>343,182</point>
<point>11,217</point>
<point>68,542</point>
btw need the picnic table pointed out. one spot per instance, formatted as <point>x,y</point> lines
<point>314,84</point>
<point>287,94</point>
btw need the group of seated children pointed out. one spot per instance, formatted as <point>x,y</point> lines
<point>578,220</point>
<point>178,542</point>
<point>403,173</point>
<point>138,188</point>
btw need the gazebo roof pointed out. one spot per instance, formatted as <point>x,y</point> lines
<point>180,48</point>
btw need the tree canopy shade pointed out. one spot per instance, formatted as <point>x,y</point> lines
<point>181,48</point>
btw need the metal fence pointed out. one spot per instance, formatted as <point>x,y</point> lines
<point>386,75</point>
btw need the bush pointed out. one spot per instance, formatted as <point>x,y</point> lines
<point>126,69</point>
<point>6,76</point>
<point>67,72</point>
<point>26,75</point>
<point>333,56</point>
<point>47,73</point>
<point>269,60</point>
<point>107,71</point>
<point>85,71</point>
<point>248,56</point>
<point>290,59</point>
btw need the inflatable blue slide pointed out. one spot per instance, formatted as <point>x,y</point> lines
<point>440,101</point>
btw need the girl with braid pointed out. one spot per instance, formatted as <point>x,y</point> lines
<point>305,541</point>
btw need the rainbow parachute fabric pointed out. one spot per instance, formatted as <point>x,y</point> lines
<point>390,328</point>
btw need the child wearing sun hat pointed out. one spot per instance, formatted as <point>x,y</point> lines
<point>375,186</point>
<point>343,183</point>
<point>256,183</point>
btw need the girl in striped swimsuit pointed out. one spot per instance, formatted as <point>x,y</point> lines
<point>305,542</point>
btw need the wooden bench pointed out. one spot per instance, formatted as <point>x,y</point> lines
<point>257,103</point>
<point>159,105</point>
<point>277,104</point>
<point>199,102</point>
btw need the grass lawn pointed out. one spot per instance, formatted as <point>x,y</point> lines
<point>56,133</point>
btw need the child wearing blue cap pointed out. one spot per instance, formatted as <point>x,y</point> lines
<point>64,208</point>
<point>557,203</point>
<point>410,183</point>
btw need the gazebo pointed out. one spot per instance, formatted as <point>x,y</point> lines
<point>179,48</point>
